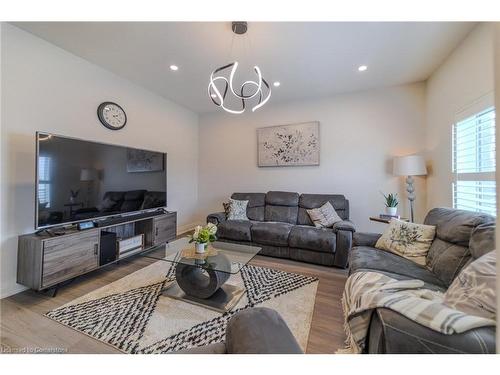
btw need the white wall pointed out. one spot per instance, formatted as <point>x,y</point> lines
<point>47,88</point>
<point>465,77</point>
<point>360,133</point>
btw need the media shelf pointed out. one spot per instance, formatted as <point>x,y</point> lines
<point>45,261</point>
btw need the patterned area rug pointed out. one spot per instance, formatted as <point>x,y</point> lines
<point>132,315</point>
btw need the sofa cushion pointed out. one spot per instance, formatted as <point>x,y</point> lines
<point>454,225</point>
<point>271,233</point>
<point>256,203</point>
<point>282,198</point>
<point>482,240</point>
<point>446,259</point>
<point>316,239</point>
<point>236,230</point>
<point>363,258</point>
<point>254,199</point>
<point>281,213</point>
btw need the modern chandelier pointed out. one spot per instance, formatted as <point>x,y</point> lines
<point>256,93</point>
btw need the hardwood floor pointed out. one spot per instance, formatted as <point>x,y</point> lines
<point>25,329</point>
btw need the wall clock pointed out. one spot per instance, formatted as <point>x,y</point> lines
<point>112,115</point>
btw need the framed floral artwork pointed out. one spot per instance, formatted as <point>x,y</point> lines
<point>288,145</point>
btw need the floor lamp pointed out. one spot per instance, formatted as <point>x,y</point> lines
<point>409,166</point>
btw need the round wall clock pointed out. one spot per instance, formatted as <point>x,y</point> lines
<point>112,115</point>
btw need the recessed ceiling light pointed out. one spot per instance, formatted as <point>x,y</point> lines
<point>174,67</point>
<point>276,84</point>
<point>362,68</point>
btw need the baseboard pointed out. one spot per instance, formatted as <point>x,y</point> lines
<point>187,227</point>
<point>11,290</point>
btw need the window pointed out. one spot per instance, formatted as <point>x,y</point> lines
<point>44,180</point>
<point>474,165</point>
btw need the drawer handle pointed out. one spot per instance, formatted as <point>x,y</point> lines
<point>95,249</point>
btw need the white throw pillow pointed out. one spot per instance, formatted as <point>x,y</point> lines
<point>473,290</point>
<point>324,216</point>
<point>237,210</point>
<point>409,240</point>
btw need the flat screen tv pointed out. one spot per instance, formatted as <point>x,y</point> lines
<point>78,180</point>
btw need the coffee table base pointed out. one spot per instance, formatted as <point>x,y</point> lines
<point>223,300</point>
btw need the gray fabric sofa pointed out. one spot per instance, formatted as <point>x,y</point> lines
<point>461,237</point>
<point>279,223</point>
<point>258,330</point>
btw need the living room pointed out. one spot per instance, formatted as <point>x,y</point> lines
<point>259,199</point>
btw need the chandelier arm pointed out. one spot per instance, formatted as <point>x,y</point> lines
<point>267,97</point>
<point>213,86</point>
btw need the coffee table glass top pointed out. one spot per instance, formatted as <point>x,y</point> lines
<point>219,256</point>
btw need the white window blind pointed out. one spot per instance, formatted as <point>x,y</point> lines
<point>44,180</point>
<point>474,165</point>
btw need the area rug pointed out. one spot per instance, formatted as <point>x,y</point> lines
<point>132,315</point>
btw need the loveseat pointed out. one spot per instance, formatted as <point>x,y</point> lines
<point>461,237</point>
<point>280,225</point>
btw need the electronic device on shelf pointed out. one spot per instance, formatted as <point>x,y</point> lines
<point>85,225</point>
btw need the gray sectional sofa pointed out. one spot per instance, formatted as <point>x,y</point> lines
<point>461,237</point>
<point>279,223</point>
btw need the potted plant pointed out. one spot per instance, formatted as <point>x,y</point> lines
<point>202,236</point>
<point>73,194</point>
<point>391,204</point>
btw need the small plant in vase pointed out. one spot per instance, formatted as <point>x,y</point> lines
<point>391,204</point>
<point>202,236</point>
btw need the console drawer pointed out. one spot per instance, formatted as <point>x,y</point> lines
<point>69,256</point>
<point>164,229</point>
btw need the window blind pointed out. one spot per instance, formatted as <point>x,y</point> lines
<point>474,163</point>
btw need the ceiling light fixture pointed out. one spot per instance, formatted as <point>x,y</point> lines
<point>276,84</point>
<point>220,85</point>
<point>362,68</point>
<point>174,67</point>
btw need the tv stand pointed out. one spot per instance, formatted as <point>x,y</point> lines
<point>46,260</point>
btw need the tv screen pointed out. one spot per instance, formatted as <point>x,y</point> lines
<point>78,180</point>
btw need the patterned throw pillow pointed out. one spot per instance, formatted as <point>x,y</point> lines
<point>409,240</point>
<point>473,290</point>
<point>324,216</point>
<point>237,210</point>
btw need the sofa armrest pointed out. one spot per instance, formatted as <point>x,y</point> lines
<point>216,218</point>
<point>365,239</point>
<point>344,225</point>
<point>260,330</point>
<point>342,248</point>
<point>393,333</point>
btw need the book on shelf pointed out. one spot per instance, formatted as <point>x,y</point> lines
<point>389,217</point>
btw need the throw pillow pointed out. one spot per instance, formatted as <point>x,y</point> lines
<point>237,210</point>
<point>227,206</point>
<point>473,290</point>
<point>324,216</point>
<point>409,240</point>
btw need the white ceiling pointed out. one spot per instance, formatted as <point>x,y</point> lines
<point>310,59</point>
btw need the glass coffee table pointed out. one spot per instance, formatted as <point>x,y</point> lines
<point>201,278</point>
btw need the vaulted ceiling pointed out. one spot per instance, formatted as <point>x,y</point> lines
<point>309,59</point>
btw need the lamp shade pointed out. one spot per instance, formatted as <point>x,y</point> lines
<point>87,174</point>
<point>411,165</point>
